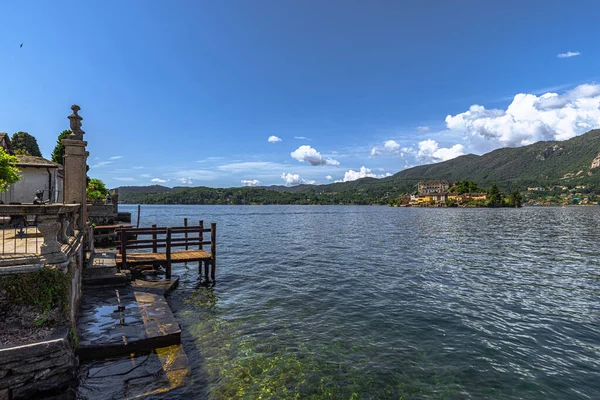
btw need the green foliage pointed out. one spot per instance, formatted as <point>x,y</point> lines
<point>58,153</point>
<point>462,187</point>
<point>23,141</point>
<point>515,199</point>
<point>9,173</point>
<point>44,289</point>
<point>74,336</point>
<point>495,196</point>
<point>96,190</point>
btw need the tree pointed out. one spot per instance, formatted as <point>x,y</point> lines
<point>58,153</point>
<point>495,196</point>
<point>515,199</point>
<point>9,173</point>
<point>24,142</point>
<point>96,190</point>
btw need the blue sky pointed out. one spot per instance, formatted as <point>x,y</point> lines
<point>188,93</point>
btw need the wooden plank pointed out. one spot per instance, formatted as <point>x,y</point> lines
<point>123,248</point>
<point>185,224</point>
<point>213,249</point>
<point>121,226</point>
<point>147,231</point>
<point>200,234</point>
<point>154,239</point>
<point>168,254</point>
<point>189,229</point>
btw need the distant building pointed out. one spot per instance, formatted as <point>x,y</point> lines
<point>37,174</point>
<point>436,186</point>
<point>535,189</point>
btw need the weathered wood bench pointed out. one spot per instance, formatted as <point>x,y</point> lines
<point>152,240</point>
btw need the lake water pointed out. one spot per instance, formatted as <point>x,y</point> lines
<point>380,302</point>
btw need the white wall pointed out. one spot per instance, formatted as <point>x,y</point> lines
<point>32,180</point>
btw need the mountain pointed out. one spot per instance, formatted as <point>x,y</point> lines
<point>543,163</point>
<point>153,189</point>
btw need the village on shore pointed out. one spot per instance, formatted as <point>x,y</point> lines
<point>443,193</point>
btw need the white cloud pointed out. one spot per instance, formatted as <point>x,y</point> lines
<point>568,54</point>
<point>423,129</point>
<point>329,177</point>
<point>530,118</point>
<point>158,180</point>
<point>137,167</point>
<point>429,151</point>
<point>250,182</point>
<point>115,157</point>
<point>210,159</point>
<point>186,181</point>
<point>389,148</point>
<point>195,174</point>
<point>273,139</point>
<point>125,179</point>
<point>294,179</point>
<point>312,156</point>
<point>301,138</point>
<point>145,175</point>
<point>101,164</point>
<point>244,166</point>
<point>364,172</point>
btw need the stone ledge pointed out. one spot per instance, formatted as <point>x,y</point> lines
<point>20,269</point>
<point>57,342</point>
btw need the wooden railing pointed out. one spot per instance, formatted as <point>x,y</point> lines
<point>144,246</point>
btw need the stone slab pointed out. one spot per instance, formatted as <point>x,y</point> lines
<point>146,376</point>
<point>159,286</point>
<point>104,259</point>
<point>120,321</point>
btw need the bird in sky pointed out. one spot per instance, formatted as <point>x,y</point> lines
<point>21,45</point>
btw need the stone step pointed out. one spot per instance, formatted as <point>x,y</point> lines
<point>110,278</point>
<point>103,259</point>
<point>122,321</point>
<point>159,285</point>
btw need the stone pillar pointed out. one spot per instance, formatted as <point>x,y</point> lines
<point>75,167</point>
<point>115,200</point>
<point>49,227</point>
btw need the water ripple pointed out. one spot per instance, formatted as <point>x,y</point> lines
<point>376,302</point>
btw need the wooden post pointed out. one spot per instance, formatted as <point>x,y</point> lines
<point>213,249</point>
<point>185,234</point>
<point>123,248</point>
<point>201,235</point>
<point>154,248</point>
<point>138,218</point>
<point>168,255</point>
<point>206,262</point>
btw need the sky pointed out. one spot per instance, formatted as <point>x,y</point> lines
<point>268,92</point>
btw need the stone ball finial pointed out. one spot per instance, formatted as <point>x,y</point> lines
<point>75,122</point>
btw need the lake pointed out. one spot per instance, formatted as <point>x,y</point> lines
<point>381,302</point>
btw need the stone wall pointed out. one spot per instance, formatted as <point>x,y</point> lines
<point>39,367</point>
<point>48,365</point>
<point>102,214</point>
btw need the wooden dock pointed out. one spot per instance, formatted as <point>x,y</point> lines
<point>144,246</point>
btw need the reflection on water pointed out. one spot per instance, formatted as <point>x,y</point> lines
<point>377,302</point>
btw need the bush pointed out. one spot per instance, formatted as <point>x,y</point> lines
<point>45,290</point>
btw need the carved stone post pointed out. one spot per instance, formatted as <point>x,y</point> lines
<point>49,227</point>
<point>65,222</point>
<point>75,166</point>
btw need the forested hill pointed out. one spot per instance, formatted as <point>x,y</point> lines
<point>540,164</point>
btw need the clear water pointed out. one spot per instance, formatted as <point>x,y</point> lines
<point>379,302</point>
